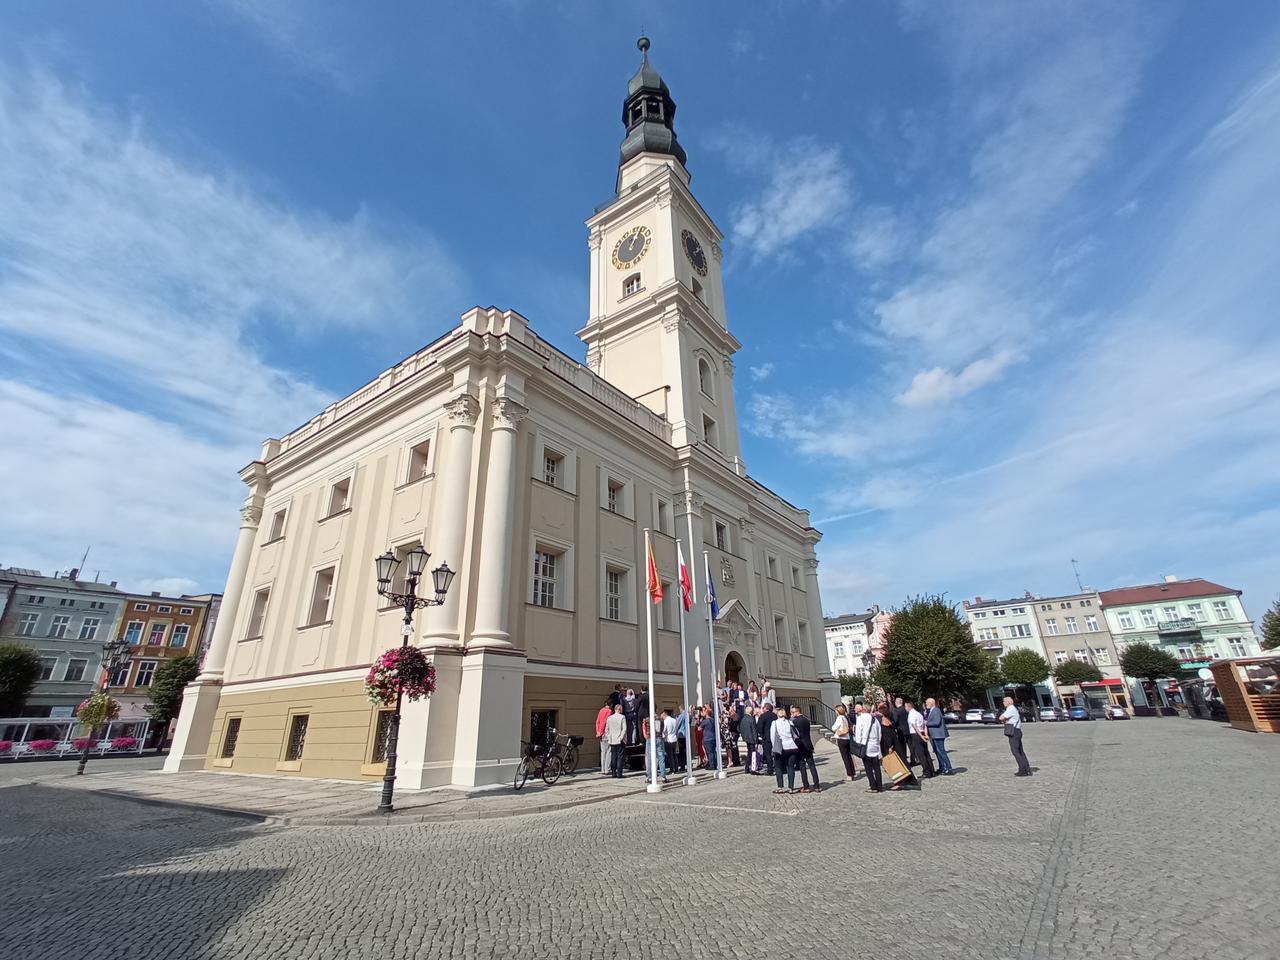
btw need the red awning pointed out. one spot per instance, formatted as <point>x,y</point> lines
<point>1109,682</point>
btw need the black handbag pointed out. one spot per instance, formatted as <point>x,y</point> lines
<point>859,749</point>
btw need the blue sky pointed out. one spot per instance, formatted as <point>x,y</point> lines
<point>1006,274</point>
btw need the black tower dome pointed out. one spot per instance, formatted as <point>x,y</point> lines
<point>648,113</point>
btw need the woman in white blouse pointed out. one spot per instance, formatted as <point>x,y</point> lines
<point>842,730</point>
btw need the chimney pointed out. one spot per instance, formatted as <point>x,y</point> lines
<point>155,593</point>
<point>977,599</point>
<point>74,574</point>
<point>115,582</point>
<point>1026,595</point>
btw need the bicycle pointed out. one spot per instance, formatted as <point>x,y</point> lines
<point>541,761</point>
<point>570,759</point>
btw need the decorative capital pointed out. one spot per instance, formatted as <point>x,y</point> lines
<point>746,528</point>
<point>728,365</point>
<point>593,358</point>
<point>507,413</point>
<point>463,410</point>
<point>811,563</point>
<point>690,502</point>
<point>671,321</point>
<point>594,239</point>
<point>664,197</point>
<point>250,515</point>
<point>716,251</point>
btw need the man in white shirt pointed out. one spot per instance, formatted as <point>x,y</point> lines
<point>670,737</point>
<point>1013,730</point>
<point>919,734</point>
<point>615,731</point>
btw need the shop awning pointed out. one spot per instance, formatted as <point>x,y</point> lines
<point>1109,682</point>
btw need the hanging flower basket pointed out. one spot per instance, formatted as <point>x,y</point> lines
<point>400,670</point>
<point>98,708</point>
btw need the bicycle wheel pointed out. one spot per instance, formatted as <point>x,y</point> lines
<point>551,770</point>
<point>570,762</point>
<point>522,773</point>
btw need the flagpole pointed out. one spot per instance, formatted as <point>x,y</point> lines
<point>711,646</point>
<point>654,786</point>
<point>689,754</point>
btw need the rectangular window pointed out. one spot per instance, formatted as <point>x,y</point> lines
<point>1196,612</point>
<point>230,737</point>
<point>180,633</point>
<point>1148,617</point>
<point>89,628</point>
<point>98,605</point>
<point>802,633</point>
<point>32,598</point>
<point>1072,626</point>
<point>297,737</point>
<point>780,633</point>
<point>631,285</point>
<point>1170,614</point>
<point>722,536</point>
<point>146,673</point>
<point>120,676</point>
<point>1060,656</point>
<point>544,577</point>
<point>58,628</point>
<point>773,567</point>
<point>1102,656</point>
<point>321,596</point>
<point>710,433</point>
<point>1186,653</point>
<point>795,577</point>
<point>186,611</point>
<point>141,607</point>
<point>133,632</point>
<point>1091,623</point>
<point>419,461</point>
<point>276,531</point>
<point>663,519</point>
<point>1082,654</point>
<point>613,594</point>
<point>553,469</point>
<point>613,497</point>
<point>27,624</point>
<point>155,637</point>
<point>1017,610</point>
<point>382,736</point>
<point>339,496</point>
<point>164,609</point>
<point>837,649</point>
<point>980,615</point>
<point>1051,626</point>
<point>258,613</point>
<point>1221,610</point>
<point>1126,620</point>
<point>66,602</point>
<point>1017,630</point>
<point>1236,645</point>
<point>989,633</point>
<point>668,611</point>
<point>46,667</point>
<point>75,671</point>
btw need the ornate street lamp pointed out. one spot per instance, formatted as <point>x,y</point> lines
<point>441,577</point>
<point>115,655</point>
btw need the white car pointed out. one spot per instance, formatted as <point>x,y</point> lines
<point>1052,713</point>
<point>973,716</point>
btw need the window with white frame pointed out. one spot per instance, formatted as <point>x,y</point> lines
<point>546,567</point>
<point>1126,620</point>
<point>722,536</point>
<point>1170,614</point>
<point>1186,652</point>
<point>1072,626</point>
<point>186,611</point>
<point>1051,626</point>
<point>553,468</point>
<point>164,609</point>
<point>155,636</point>
<point>89,628</point>
<point>47,665</point>
<point>998,613</point>
<point>1221,610</point>
<point>1102,656</point>
<point>615,496</point>
<point>1017,630</point>
<point>704,378</point>
<point>58,627</point>
<point>66,602</point>
<point>276,530</point>
<point>258,613</point>
<point>1148,617</point>
<point>842,672</point>
<point>142,607</point>
<point>1082,654</point>
<point>710,432</point>
<point>662,516</point>
<point>614,584</point>
<point>97,605</point>
<point>1060,656</point>
<point>1091,623</point>
<point>631,285</point>
<point>419,461</point>
<point>75,671</point>
<point>27,624</point>
<point>780,633</point>
<point>340,496</point>
<point>979,614</point>
<point>772,564</point>
<point>180,634</point>
<point>795,576</point>
<point>321,596</point>
<point>146,673</point>
<point>400,581</point>
<point>988,634</point>
<point>1196,612</point>
<point>34,598</point>
<point>1017,610</point>
<point>133,632</point>
<point>1237,646</point>
<point>837,649</point>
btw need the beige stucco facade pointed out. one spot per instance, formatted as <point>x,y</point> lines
<point>496,452</point>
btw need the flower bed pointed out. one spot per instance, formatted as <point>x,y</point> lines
<point>401,670</point>
<point>124,743</point>
<point>41,746</point>
<point>81,742</point>
<point>6,746</point>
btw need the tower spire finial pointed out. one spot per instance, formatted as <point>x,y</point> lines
<point>643,45</point>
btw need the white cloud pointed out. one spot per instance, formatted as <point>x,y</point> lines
<point>305,35</point>
<point>136,292</point>
<point>761,371</point>
<point>939,386</point>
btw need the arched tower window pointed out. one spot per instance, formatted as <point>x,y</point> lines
<point>704,378</point>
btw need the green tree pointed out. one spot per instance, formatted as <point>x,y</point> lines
<point>171,678</point>
<point>19,672</point>
<point>852,686</point>
<point>1075,672</point>
<point>1024,669</point>
<point>1149,663</point>
<point>929,652</point>
<point>1271,627</point>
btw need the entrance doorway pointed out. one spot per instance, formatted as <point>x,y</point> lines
<point>734,669</point>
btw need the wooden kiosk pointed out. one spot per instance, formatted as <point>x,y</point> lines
<point>1250,691</point>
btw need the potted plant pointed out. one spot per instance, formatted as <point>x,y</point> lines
<point>41,746</point>
<point>401,670</point>
<point>124,743</point>
<point>5,747</point>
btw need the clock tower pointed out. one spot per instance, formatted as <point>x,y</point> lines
<point>656,326</point>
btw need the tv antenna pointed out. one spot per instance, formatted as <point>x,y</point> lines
<point>1079,583</point>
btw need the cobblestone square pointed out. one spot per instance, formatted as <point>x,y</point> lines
<point>1148,838</point>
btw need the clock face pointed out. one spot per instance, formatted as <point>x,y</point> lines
<point>631,247</point>
<point>693,250</point>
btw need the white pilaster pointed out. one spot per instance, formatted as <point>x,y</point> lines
<point>449,529</point>
<point>493,579</point>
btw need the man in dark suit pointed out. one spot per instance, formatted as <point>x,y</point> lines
<point>764,731</point>
<point>747,728</point>
<point>901,728</point>
<point>804,740</point>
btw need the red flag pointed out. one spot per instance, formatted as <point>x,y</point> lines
<point>655,583</point>
<point>686,585</point>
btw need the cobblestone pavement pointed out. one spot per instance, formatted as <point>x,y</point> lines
<point>1149,838</point>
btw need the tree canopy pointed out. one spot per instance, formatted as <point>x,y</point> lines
<point>852,685</point>
<point>1075,672</point>
<point>19,672</point>
<point>1149,663</point>
<point>1024,667</point>
<point>167,686</point>
<point>929,652</point>
<point>1271,627</point>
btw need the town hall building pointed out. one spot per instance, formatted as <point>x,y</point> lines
<point>533,476</point>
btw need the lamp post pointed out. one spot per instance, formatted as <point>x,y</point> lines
<point>115,654</point>
<point>441,577</point>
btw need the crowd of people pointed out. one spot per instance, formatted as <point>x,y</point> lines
<point>772,740</point>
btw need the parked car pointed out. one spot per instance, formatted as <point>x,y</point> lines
<point>1115,712</point>
<point>1078,713</point>
<point>990,716</point>
<point>1052,713</point>
<point>952,716</point>
<point>974,715</point>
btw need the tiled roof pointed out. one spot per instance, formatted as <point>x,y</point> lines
<point>1155,592</point>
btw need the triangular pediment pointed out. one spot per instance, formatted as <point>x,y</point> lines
<point>735,611</point>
